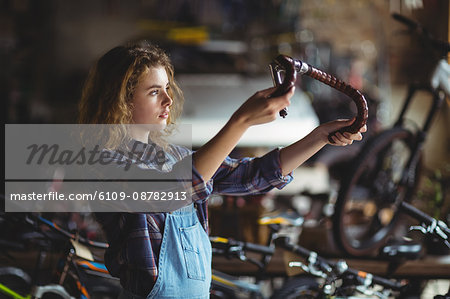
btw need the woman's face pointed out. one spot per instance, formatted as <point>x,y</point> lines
<point>151,100</point>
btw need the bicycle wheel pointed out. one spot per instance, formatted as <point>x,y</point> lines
<point>301,287</point>
<point>366,209</point>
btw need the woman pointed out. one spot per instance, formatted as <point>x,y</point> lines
<point>168,255</point>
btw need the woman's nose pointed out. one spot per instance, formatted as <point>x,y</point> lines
<point>167,100</point>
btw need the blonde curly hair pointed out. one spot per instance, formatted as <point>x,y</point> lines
<point>109,88</point>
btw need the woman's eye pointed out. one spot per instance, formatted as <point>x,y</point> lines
<point>154,92</point>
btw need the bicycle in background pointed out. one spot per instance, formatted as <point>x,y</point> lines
<point>225,286</point>
<point>338,280</point>
<point>322,278</point>
<point>76,274</point>
<point>384,174</point>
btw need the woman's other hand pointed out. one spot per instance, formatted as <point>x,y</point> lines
<point>339,139</point>
<point>261,108</point>
<point>297,153</point>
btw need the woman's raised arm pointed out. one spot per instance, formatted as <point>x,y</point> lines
<point>258,109</point>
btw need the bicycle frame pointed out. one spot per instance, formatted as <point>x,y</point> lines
<point>439,88</point>
<point>438,99</point>
<point>9,292</point>
<point>69,264</point>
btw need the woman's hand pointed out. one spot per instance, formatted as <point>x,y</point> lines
<point>339,139</point>
<point>297,153</point>
<point>260,108</point>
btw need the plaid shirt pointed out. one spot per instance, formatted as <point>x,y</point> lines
<point>135,238</point>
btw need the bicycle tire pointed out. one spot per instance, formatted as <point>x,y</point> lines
<point>299,287</point>
<point>14,279</point>
<point>366,210</point>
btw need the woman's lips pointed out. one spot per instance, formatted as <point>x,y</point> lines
<point>164,115</point>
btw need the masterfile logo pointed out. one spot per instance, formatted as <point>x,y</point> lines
<point>75,168</point>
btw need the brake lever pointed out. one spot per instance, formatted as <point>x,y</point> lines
<point>436,228</point>
<point>288,66</point>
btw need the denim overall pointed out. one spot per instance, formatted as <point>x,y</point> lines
<point>184,259</point>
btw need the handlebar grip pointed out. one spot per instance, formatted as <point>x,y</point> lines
<point>284,242</point>
<point>416,213</point>
<point>224,244</point>
<point>354,94</point>
<point>394,285</point>
<point>259,248</point>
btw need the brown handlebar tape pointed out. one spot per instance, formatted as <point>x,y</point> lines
<point>290,65</point>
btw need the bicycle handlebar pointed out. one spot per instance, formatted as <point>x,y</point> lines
<point>226,244</point>
<point>416,213</point>
<point>284,243</point>
<point>291,66</point>
<point>438,44</point>
<point>230,246</point>
<point>377,279</point>
<point>259,248</point>
<point>429,225</point>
